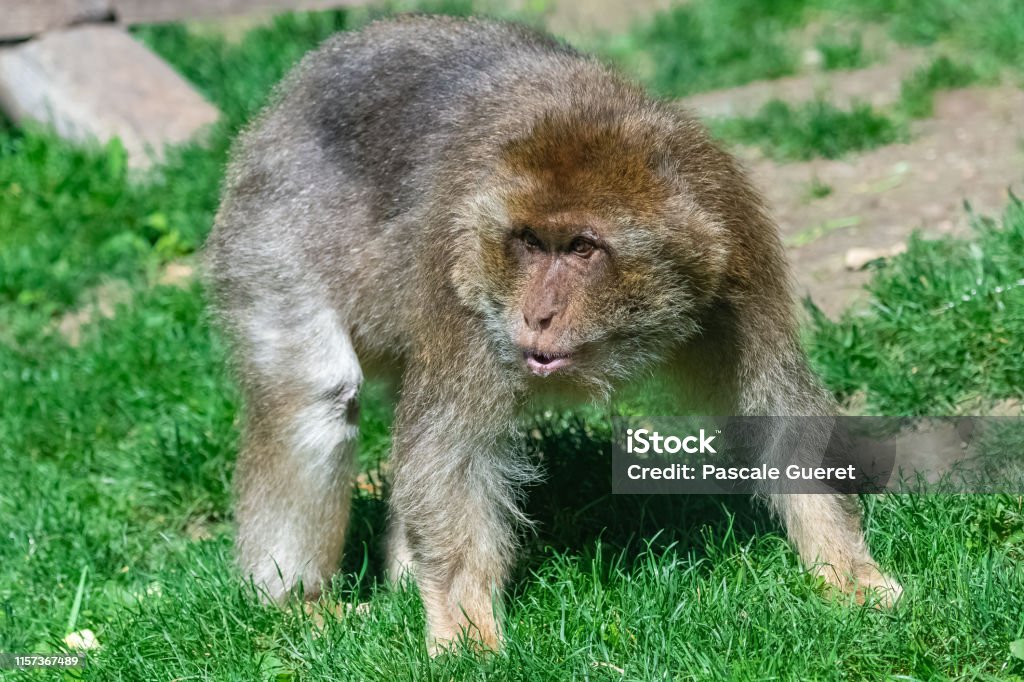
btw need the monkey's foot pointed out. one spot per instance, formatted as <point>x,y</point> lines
<point>868,585</point>
<point>871,584</point>
<point>465,639</point>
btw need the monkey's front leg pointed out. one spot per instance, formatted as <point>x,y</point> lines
<point>453,504</point>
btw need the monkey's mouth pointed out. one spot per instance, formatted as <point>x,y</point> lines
<point>543,364</point>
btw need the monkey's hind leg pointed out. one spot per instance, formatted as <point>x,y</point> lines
<point>826,531</point>
<point>825,528</point>
<point>294,475</point>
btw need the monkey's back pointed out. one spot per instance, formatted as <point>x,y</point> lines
<point>337,175</point>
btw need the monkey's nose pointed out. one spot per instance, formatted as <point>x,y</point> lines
<point>538,323</point>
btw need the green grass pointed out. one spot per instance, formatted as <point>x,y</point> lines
<point>813,129</point>
<point>116,458</point>
<point>819,129</point>
<point>917,92</point>
<point>69,218</point>
<point>116,454</point>
<point>733,42</point>
<point>238,76</point>
<point>945,326</point>
<point>817,189</point>
<point>841,52</point>
<point>991,31</point>
<point>705,44</point>
<point>702,45</point>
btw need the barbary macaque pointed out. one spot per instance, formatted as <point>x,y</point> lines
<point>493,219</point>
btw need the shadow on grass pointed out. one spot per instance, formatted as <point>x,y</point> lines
<point>575,511</point>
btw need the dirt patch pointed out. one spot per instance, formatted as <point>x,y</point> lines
<point>179,273</point>
<point>102,303</point>
<point>594,18</point>
<point>878,85</point>
<point>969,151</point>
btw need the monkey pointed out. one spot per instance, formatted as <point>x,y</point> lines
<point>488,218</point>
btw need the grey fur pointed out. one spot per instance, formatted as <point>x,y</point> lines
<point>353,236</point>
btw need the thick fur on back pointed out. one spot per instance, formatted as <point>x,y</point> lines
<point>332,178</point>
<point>381,217</point>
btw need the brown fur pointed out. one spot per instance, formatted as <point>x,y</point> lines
<point>490,218</point>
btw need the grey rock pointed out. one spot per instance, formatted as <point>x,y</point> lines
<point>94,82</point>
<point>26,18</point>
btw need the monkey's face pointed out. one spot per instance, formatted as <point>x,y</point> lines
<point>584,255</point>
<point>588,298</point>
<point>556,264</point>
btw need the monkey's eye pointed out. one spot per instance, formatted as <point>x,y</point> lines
<point>582,247</point>
<point>531,240</point>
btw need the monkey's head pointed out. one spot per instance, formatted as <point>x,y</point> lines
<point>586,252</point>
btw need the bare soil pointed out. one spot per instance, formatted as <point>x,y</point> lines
<point>970,150</point>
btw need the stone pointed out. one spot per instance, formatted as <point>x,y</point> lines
<point>82,640</point>
<point>26,18</point>
<point>177,274</point>
<point>858,257</point>
<point>94,82</point>
<point>149,11</point>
